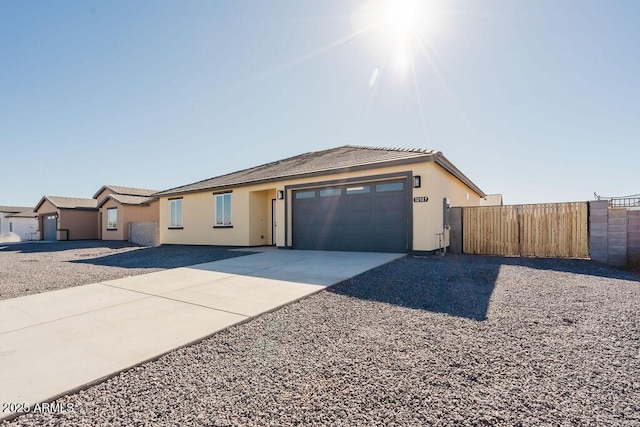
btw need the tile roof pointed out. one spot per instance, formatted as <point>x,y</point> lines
<point>14,209</point>
<point>129,191</point>
<point>29,213</point>
<point>333,160</point>
<point>69,202</point>
<point>344,157</point>
<point>125,199</point>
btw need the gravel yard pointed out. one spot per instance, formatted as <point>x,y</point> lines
<point>31,268</point>
<point>458,340</point>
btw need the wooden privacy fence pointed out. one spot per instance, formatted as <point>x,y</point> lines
<point>558,230</point>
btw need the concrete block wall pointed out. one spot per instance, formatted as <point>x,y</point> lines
<point>144,233</point>
<point>614,234</point>
<point>617,237</point>
<point>633,236</point>
<point>599,230</point>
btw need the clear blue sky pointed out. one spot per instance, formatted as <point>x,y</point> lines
<point>538,100</point>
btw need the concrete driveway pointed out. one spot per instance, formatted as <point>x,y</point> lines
<point>58,342</point>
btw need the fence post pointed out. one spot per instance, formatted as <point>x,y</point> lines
<point>455,233</point>
<point>617,237</point>
<point>633,238</point>
<point>599,230</point>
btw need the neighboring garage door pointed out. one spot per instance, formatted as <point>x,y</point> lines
<point>49,226</point>
<point>357,217</point>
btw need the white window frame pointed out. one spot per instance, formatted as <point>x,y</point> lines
<point>224,200</point>
<point>112,225</point>
<point>175,221</point>
<point>330,192</point>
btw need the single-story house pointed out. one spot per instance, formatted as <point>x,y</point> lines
<point>345,198</point>
<point>491,200</point>
<point>67,218</point>
<point>17,223</point>
<point>121,206</point>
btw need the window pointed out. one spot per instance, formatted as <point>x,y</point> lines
<point>391,186</point>
<point>305,194</point>
<point>327,192</point>
<point>223,210</point>
<point>112,218</point>
<point>360,189</point>
<point>175,215</point>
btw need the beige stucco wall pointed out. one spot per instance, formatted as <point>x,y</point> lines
<point>427,217</point>
<point>126,215</point>
<point>102,195</point>
<point>198,209</point>
<point>46,208</point>
<point>82,224</point>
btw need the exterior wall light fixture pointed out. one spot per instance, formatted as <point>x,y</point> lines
<point>280,195</point>
<point>416,181</point>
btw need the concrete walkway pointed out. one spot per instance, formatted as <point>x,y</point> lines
<point>58,342</point>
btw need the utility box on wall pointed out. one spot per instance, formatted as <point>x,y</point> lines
<point>446,212</point>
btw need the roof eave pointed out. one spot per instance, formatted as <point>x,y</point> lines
<point>104,187</point>
<point>449,167</point>
<point>106,199</point>
<point>19,215</point>
<point>418,159</point>
<point>44,198</point>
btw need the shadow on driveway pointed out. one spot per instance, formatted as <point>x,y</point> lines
<point>40,247</point>
<point>166,256</point>
<point>458,285</point>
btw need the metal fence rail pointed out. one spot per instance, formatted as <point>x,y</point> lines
<point>622,202</point>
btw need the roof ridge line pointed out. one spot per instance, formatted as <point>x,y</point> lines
<point>398,149</point>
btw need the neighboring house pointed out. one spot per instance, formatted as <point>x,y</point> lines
<point>121,206</point>
<point>491,200</point>
<point>67,218</point>
<point>345,198</point>
<point>17,223</point>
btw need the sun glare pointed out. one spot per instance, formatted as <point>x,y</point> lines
<point>394,17</point>
<point>399,27</point>
<point>401,17</point>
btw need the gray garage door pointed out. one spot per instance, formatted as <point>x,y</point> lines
<point>49,227</point>
<point>359,217</point>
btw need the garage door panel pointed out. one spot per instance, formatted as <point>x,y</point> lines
<point>367,221</point>
<point>361,220</point>
<point>388,218</point>
<point>396,206</point>
<point>307,208</point>
<point>358,203</point>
